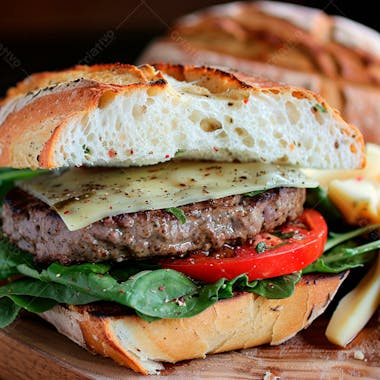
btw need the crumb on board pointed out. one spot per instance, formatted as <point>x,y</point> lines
<point>270,376</point>
<point>359,355</point>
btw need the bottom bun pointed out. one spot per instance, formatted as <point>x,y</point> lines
<point>244,321</point>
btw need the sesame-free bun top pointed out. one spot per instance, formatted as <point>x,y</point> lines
<point>123,115</point>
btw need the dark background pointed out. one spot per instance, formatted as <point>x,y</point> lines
<point>47,35</point>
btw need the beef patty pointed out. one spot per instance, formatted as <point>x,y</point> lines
<point>34,227</point>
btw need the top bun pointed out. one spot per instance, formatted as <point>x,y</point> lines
<point>123,115</point>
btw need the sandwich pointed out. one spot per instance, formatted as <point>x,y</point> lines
<point>164,218</point>
<point>303,46</point>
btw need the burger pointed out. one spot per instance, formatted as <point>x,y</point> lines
<point>165,216</point>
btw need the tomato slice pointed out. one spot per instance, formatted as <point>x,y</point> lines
<point>286,250</point>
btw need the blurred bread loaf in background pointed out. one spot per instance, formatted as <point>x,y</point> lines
<point>332,55</point>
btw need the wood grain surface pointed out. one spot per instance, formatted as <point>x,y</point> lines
<point>31,349</point>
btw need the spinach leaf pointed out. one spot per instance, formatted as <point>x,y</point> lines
<point>278,287</point>
<point>239,283</point>
<point>9,176</point>
<point>346,251</point>
<point>170,294</point>
<point>29,271</point>
<point>39,289</point>
<point>8,311</point>
<point>123,271</point>
<point>91,279</point>
<point>336,238</point>
<point>162,293</point>
<point>33,304</point>
<point>344,256</point>
<point>10,258</point>
<point>274,288</point>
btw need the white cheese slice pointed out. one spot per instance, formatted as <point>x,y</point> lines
<point>82,196</point>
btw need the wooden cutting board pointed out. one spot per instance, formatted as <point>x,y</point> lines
<point>31,349</point>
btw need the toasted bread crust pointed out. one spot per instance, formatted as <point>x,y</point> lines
<point>247,320</point>
<point>52,126</point>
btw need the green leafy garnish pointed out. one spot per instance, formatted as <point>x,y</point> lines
<point>284,235</point>
<point>179,152</point>
<point>319,107</point>
<point>178,213</point>
<point>261,247</point>
<point>86,150</point>
<point>253,193</point>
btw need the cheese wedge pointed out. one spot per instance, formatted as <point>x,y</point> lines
<point>357,199</point>
<point>355,309</point>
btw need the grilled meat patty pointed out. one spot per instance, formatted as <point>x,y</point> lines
<point>34,227</point>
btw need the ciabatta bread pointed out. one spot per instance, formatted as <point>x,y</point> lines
<point>121,115</point>
<point>286,42</point>
<point>247,320</point>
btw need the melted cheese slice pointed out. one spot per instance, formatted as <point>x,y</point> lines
<point>82,196</point>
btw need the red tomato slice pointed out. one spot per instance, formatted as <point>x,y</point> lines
<point>286,250</point>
